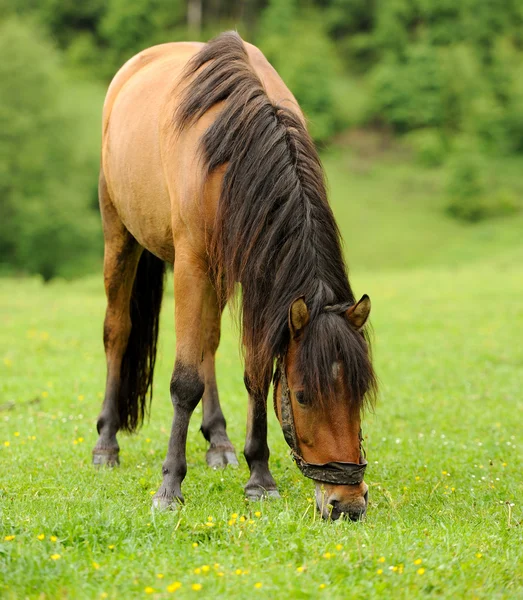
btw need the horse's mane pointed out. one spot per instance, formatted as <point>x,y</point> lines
<point>274,232</point>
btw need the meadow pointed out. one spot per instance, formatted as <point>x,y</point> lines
<point>444,444</point>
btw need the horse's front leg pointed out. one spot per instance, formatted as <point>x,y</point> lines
<point>191,284</point>
<point>221,452</point>
<point>261,483</point>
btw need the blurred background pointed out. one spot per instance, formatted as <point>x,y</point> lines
<point>416,105</point>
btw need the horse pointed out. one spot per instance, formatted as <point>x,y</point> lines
<point>207,164</point>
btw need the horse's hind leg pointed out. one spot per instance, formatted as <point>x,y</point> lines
<point>121,256</point>
<point>221,451</point>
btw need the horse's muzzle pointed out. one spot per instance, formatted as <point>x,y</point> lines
<point>347,501</point>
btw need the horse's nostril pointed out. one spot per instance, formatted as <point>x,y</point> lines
<point>334,510</point>
<point>366,498</point>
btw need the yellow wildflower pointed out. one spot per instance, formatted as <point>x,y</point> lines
<point>258,585</point>
<point>257,514</point>
<point>196,587</point>
<point>339,547</point>
<point>55,556</point>
<point>195,544</point>
<point>96,565</point>
<point>174,586</point>
<point>111,546</point>
<point>7,444</point>
<point>53,538</point>
<point>17,433</point>
<point>300,569</point>
<point>322,586</point>
<point>238,571</point>
<point>379,571</point>
<point>45,394</point>
<point>197,571</point>
<point>9,538</point>
<point>418,561</point>
<point>234,516</point>
<point>420,571</point>
<point>159,575</point>
<point>149,590</point>
<point>381,559</point>
<point>40,537</point>
<point>206,568</point>
<point>479,555</point>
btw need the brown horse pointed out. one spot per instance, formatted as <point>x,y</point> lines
<point>207,164</point>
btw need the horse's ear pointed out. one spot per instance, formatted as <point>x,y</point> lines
<point>298,316</point>
<point>358,313</point>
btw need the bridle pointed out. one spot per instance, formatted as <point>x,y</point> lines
<point>336,473</point>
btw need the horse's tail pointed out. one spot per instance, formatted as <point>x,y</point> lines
<point>136,375</point>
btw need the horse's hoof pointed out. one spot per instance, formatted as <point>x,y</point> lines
<point>259,493</point>
<point>106,457</point>
<point>219,457</point>
<point>163,502</point>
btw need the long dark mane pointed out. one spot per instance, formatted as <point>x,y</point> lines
<point>274,232</point>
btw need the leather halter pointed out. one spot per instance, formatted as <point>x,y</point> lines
<point>336,473</point>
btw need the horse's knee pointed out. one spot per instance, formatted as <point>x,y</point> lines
<point>187,387</point>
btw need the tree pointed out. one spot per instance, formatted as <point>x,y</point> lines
<point>45,221</point>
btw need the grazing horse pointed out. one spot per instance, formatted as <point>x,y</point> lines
<point>207,164</point>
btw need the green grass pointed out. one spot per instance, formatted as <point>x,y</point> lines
<point>444,445</point>
<point>392,215</point>
<point>444,448</point>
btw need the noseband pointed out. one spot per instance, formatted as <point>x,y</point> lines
<point>337,473</point>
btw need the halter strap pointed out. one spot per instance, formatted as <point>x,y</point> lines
<point>337,473</point>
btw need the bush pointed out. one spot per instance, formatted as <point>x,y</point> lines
<point>429,147</point>
<point>305,59</point>
<point>466,187</point>
<point>473,192</point>
<point>407,94</point>
<point>46,224</point>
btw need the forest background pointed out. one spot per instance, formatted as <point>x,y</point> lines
<point>435,84</point>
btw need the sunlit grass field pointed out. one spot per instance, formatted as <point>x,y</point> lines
<point>445,444</point>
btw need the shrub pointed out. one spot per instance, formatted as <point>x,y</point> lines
<point>474,193</point>
<point>429,147</point>
<point>46,224</point>
<point>304,57</point>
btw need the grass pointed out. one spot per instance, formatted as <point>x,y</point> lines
<point>444,445</point>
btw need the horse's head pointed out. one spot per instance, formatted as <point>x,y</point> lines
<point>320,385</point>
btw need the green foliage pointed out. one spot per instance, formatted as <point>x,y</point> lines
<point>128,27</point>
<point>407,94</point>
<point>473,191</point>
<point>303,55</point>
<point>429,146</point>
<point>45,223</point>
<point>444,451</point>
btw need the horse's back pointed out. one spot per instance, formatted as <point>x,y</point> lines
<point>152,175</point>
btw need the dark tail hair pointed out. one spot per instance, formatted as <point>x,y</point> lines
<point>136,375</point>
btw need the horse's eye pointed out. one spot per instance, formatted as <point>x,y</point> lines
<point>300,397</point>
